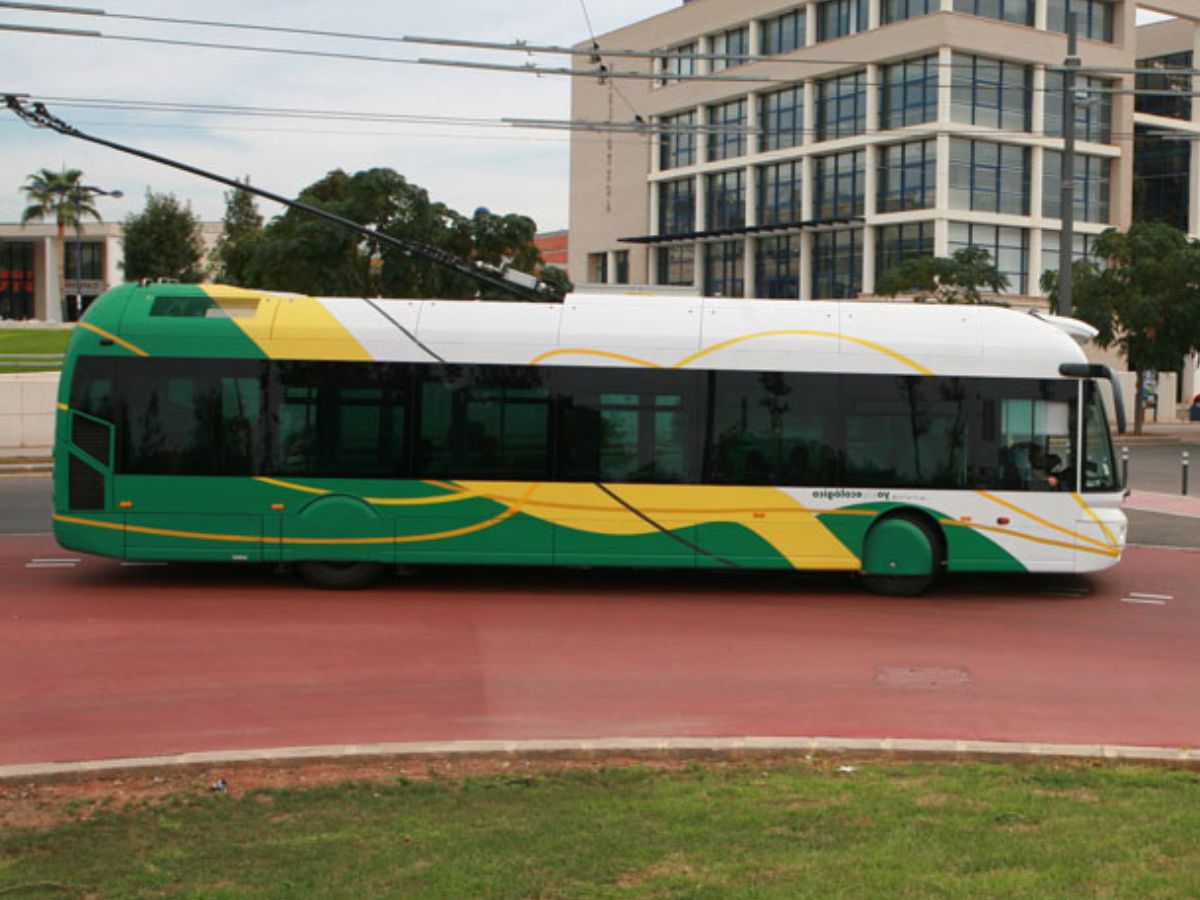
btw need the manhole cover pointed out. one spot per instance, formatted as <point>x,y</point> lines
<point>922,678</point>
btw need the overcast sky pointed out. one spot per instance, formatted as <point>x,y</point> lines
<point>504,169</point>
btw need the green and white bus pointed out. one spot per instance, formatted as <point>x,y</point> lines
<point>347,435</point>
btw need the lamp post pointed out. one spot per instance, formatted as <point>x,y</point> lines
<point>78,193</point>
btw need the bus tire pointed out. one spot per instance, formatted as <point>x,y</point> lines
<point>340,576</point>
<point>902,555</point>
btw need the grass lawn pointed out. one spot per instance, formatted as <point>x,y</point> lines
<point>796,830</point>
<point>33,340</point>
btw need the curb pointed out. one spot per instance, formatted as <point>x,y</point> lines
<point>18,468</point>
<point>599,749</point>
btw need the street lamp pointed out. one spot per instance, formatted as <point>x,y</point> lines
<point>78,193</point>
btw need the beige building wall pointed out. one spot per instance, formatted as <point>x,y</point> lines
<point>612,194</point>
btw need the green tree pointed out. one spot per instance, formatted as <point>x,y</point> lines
<point>958,278</point>
<point>306,255</point>
<point>59,196</point>
<point>163,241</point>
<point>1145,300</point>
<point>241,236</point>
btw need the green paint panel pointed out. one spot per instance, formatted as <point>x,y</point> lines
<point>180,545</point>
<point>90,539</point>
<point>897,546</point>
<point>517,540</point>
<point>969,551</point>
<point>583,548</point>
<point>337,527</point>
<point>726,543</point>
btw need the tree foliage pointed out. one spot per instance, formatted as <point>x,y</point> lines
<point>163,241</point>
<point>1145,300</point>
<point>959,278</point>
<point>241,233</point>
<point>296,252</point>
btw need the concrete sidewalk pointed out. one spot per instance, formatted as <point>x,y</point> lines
<point>1169,504</point>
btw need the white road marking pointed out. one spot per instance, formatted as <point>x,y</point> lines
<point>50,565</point>
<point>1142,596</point>
<point>1144,600</point>
<point>55,559</point>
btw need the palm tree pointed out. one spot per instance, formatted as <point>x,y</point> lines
<point>63,196</point>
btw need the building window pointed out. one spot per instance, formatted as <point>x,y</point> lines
<point>1093,118</point>
<point>677,264</point>
<point>988,177</point>
<point>725,198</point>
<point>777,267</point>
<point>837,264</point>
<point>16,280</point>
<point>908,93</point>
<point>1161,179</point>
<point>678,62</point>
<point>724,275</point>
<point>1019,12</point>
<point>842,106</point>
<point>1007,247</point>
<point>677,207</point>
<point>840,185</point>
<point>781,118</point>
<point>907,176</point>
<point>779,194</point>
<point>1177,105</point>
<point>896,243</point>
<point>730,48</point>
<point>1084,247</point>
<point>838,18</point>
<point>598,268</point>
<point>898,10</point>
<point>91,260</point>
<point>677,142</point>
<point>621,267</point>
<point>991,92</point>
<point>1094,18</point>
<point>782,34</point>
<point>727,138</point>
<point>1091,187</point>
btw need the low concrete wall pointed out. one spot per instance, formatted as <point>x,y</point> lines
<point>27,405</point>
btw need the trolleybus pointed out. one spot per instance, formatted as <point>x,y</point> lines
<point>343,436</point>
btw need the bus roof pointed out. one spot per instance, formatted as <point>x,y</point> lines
<point>595,330</point>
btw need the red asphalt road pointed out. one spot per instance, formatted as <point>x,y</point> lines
<point>100,660</point>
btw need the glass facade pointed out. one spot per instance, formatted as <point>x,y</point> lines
<point>1177,104</point>
<point>725,200</point>
<point>897,10</point>
<point>908,92</point>
<point>728,139</point>
<point>730,48</point>
<point>907,177</point>
<point>724,269</point>
<point>678,61</point>
<point>16,280</point>
<point>783,34</point>
<point>841,106</point>
<point>677,142</point>
<point>677,206</point>
<point>991,92</point>
<point>779,194</point>
<point>988,177</point>
<point>1008,248</point>
<point>896,243</point>
<point>840,185</point>
<point>1093,119</point>
<point>781,119</point>
<point>1091,187</point>
<point>837,257</point>
<point>677,264</point>
<point>839,18</point>
<point>777,267</point>
<point>1093,18</point>
<point>1161,182</point>
<point>1083,248</point>
<point>1019,12</point>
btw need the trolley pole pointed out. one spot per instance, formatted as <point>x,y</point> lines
<point>1066,247</point>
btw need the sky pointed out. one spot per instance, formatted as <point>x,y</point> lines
<point>501,168</point>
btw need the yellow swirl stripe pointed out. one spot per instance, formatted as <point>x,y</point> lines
<point>1075,536</point>
<point>1092,515</point>
<point>994,529</point>
<point>581,351</point>
<point>112,337</point>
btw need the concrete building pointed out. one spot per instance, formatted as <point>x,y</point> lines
<point>844,136</point>
<point>33,283</point>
